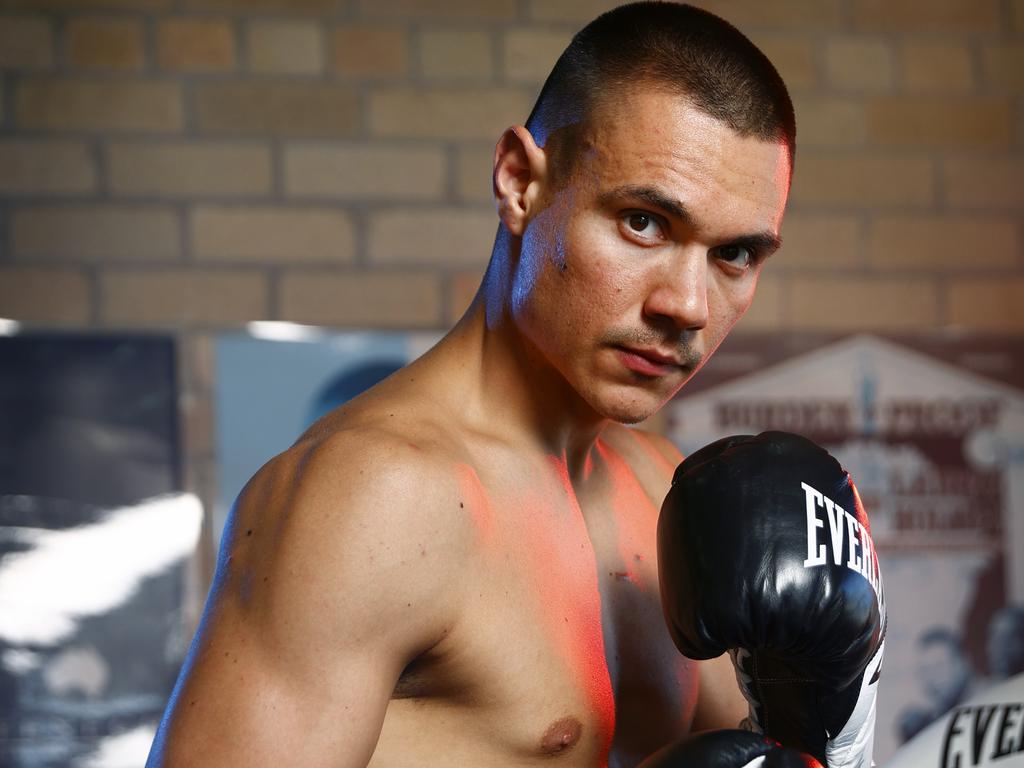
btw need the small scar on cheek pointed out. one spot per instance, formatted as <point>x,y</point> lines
<point>561,736</point>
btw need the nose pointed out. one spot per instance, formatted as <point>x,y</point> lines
<point>679,293</point>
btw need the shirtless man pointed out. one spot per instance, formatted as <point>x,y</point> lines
<point>458,568</point>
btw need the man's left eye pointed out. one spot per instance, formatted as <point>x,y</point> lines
<point>735,255</point>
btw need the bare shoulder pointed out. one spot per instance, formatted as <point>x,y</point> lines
<point>342,539</point>
<point>356,501</point>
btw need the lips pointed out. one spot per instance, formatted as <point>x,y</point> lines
<point>655,356</point>
<point>648,362</point>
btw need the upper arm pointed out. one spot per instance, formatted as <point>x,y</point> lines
<point>330,581</point>
<point>720,704</point>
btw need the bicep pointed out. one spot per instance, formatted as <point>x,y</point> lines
<point>238,703</point>
<point>720,704</point>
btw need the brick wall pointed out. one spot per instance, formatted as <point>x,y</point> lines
<point>194,164</point>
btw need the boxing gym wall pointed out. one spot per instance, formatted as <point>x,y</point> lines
<point>187,184</point>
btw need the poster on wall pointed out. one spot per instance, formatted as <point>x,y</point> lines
<point>932,430</point>
<point>94,538</point>
<point>275,381</point>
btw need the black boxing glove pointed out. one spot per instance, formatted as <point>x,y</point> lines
<point>728,749</point>
<point>764,551</point>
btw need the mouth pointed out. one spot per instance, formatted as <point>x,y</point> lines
<point>648,362</point>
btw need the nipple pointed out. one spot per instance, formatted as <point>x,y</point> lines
<point>561,736</point>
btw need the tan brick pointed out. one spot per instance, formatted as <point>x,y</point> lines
<point>462,288</point>
<point>276,109</point>
<point>903,121</point>
<point>860,64</point>
<point>83,105</point>
<point>176,297</point>
<point>450,236</point>
<point>528,54</point>
<point>195,45</point>
<point>473,170</point>
<point>457,54</point>
<point>258,6</point>
<point>913,15</point>
<point>26,42</point>
<point>1003,65</point>
<point>272,235</point>
<point>784,14</point>
<point>936,65</point>
<point>33,167</point>
<point>987,304</point>
<point>105,44</point>
<point>285,47</point>
<point>97,233</point>
<point>365,172</point>
<point>829,122</point>
<point>371,49</point>
<point>190,169</point>
<point>82,5</point>
<point>449,112</point>
<point>485,10</point>
<point>862,303</point>
<point>576,11</point>
<point>862,180</point>
<point>368,299</point>
<point>984,182</point>
<point>819,241</point>
<point>943,241</point>
<point>793,57</point>
<point>767,310</point>
<point>45,296</point>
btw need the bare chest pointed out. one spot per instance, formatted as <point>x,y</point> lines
<point>560,649</point>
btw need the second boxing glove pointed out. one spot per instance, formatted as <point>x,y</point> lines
<point>728,749</point>
<point>764,551</point>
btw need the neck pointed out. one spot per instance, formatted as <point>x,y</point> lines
<point>512,389</point>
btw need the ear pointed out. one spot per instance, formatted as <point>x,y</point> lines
<point>520,171</point>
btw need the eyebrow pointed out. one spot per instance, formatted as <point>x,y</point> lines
<point>651,196</point>
<point>764,242</point>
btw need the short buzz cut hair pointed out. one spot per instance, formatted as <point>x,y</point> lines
<point>666,45</point>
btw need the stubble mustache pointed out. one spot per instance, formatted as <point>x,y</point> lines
<point>689,356</point>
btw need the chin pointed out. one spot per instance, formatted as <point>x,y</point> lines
<point>631,408</point>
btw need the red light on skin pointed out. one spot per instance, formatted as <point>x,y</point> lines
<point>473,498</point>
<point>637,532</point>
<point>643,365</point>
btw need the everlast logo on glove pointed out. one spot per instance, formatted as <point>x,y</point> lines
<point>848,539</point>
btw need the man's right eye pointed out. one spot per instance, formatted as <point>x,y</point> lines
<point>643,226</point>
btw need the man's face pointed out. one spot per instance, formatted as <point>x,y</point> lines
<point>642,262</point>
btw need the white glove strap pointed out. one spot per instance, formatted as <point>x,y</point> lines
<point>852,746</point>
